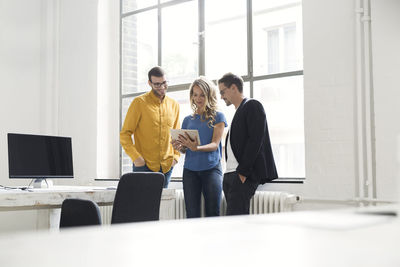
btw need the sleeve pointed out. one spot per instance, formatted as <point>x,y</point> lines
<point>221,118</point>
<point>132,119</point>
<point>184,123</point>
<point>256,130</point>
<point>177,155</point>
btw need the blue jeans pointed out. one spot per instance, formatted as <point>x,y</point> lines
<point>210,183</point>
<point>146,169</point>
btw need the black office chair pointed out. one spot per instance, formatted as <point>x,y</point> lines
<point>138,197</point>
<point>79,212</point>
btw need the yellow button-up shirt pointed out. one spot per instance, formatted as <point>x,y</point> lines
<point>149,120</point>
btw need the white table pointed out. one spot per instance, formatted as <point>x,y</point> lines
<point>48,201</point>
<point>311,239</point>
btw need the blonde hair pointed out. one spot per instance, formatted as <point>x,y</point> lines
<point>211,103</point>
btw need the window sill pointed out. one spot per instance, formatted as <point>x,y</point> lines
<point>287,181</point>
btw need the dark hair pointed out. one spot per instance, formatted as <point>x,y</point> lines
<point>229,78</point>
<point>156,71</point>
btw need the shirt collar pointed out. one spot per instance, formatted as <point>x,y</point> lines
<point>155,98</point>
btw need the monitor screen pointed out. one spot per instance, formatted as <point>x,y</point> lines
<point>39,156</point>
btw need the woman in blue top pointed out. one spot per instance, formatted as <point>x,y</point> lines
<point>202,171</point>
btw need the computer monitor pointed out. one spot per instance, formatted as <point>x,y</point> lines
<point>39,157</point>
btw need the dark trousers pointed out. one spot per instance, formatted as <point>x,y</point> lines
<point>238,194</point>
<point>208,182</point>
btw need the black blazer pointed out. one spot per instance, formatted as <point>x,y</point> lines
<point>251,144</point>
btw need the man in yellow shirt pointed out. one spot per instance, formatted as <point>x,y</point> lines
<point>149,119</point>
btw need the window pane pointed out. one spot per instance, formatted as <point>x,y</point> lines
<point>273,51</point>
<point>292,62</point>
<point>183,98</point>
<point>126,162</point>
<point>131,5</point>
<point>180,42</point>
<point>225,37</point>
<point>277,36</point>
<point>139,50</point>
<point>283,100</point>
<point>184,104</point>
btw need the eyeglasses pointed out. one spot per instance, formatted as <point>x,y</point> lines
<point>222,92</point>
<point>158,85</point>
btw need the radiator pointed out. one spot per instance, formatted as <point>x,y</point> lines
<point>180,212</point>
<point>262,202</point>
<point>106,212</point>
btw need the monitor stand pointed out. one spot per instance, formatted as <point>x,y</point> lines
<point>42,183</point>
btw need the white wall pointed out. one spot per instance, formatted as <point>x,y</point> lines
<point>329,72</point>
<point>77,114</point>
<point>20,73</point>
<point>21,101</point>
<point>386,70</point>
<point>108,90</point>
<point>48,81</point>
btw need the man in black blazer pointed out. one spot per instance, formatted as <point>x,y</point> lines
<point>248,153</point>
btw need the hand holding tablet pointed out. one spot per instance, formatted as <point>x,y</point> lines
<point>193,134</point>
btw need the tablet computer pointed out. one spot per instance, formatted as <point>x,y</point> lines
<point>192,133</point>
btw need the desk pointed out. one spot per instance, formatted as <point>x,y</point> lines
<point>48,201</point>
<point>311,239</point>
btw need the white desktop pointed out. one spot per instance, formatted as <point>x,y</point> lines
<point>309,239</point>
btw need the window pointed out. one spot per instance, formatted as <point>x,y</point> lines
<point>138,50</point>
<point>281,51</point>
<point>284,96</point>
<point>261,40</point>
<point>179,47</point>
<point>225,38</point>
<point>126,163</point>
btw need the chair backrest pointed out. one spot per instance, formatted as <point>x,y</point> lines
<point>138,197</point>
<point>79,212</point>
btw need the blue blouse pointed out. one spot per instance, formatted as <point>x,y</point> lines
<point>200,161</point>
